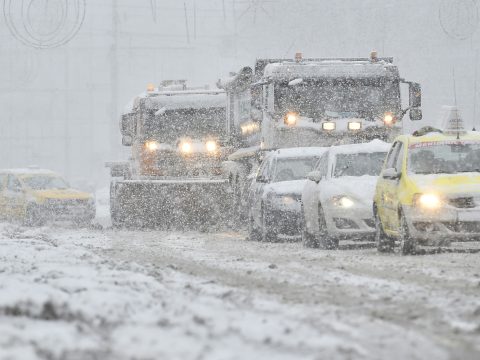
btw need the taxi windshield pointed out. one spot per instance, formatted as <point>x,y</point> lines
<point>444,158</point>
<point>293,168</point>
<point>45,182</point>
<point>359,164</point>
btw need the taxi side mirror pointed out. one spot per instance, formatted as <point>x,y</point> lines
<point>415,114</point>
<point>391,174</point>
<point>314,176</point>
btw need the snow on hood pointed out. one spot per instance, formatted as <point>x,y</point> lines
<point>300,152</point>
<point>187,101</point>
<point>370,147</point>
<point>360,188</point>
<point>448,183</point>
<point>286,187</point>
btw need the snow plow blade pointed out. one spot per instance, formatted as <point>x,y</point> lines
<point>177,204</point>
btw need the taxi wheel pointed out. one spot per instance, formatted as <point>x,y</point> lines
<point>326,241</point>
<point>408,245</point>
<point>308,240</point>
<point>33,216</point>
<point>384,243</point>
<point>253,233</point>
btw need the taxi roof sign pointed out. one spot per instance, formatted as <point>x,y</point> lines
<point>452,121</point>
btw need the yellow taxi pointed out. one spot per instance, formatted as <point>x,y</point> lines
<point>428,192</point>
<point>35,196</point>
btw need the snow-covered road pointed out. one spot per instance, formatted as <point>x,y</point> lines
<point>91,294</point>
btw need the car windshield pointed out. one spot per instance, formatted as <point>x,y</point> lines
<point>338,99</point>
<point>192,123</point>
<point>444,157</point>
<point>293,168</point>
<point>45,182</point>
<point>359,164</point>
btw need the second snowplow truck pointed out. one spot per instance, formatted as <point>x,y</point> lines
<point>178,138</point>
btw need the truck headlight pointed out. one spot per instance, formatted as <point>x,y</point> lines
<point>291,119</point>
<point>343,201</point>
<point>389,119</point>
<point>152,145</point>
<point>211,146</point>
<point>329,126</point>
<point>185,147</point>
<point>427,201</point>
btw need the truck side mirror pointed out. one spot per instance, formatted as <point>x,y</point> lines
<point>127,140</point>
<point>416,114</point>
<point>415,95</point>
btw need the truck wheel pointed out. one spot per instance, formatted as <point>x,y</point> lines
<point>268,228</point>
<point>384,243</point>
<point>326,241</point>
<point>408,245</point>
<point>253,233</point>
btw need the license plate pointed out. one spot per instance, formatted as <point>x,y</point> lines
<point>469,215</point>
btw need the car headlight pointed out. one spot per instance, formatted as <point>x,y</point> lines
<point>354,125</point>
<point>329,126</point>
<point>211,146</point>
<point>343,201</point>
<point>389,119</point>
<point>427,201</point>
<point>285,200</point>
<point>152,145</point>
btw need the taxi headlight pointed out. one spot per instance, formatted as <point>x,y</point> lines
<point>291,119</point>
<point>428,201</point>
<point>329,126</point>
<point>152,145</point>
<point>354,125</point>
<point>343,201</point>
<point>185,147</point>
<point>211,146</point>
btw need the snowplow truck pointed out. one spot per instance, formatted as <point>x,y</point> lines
<point>174,178</point>
<point>319,102</point>
<point>284,103</point>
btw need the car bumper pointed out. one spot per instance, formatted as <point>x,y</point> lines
<point>448,223</point>
<point>65,213</point>
<point>353,222</point>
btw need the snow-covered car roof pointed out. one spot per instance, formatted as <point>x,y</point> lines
<point>176,100</point>
<point>28,171</point>
<point>370,147</point>
<point>330,69</point>
<point>300,152</point>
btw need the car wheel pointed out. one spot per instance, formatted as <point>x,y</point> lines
<point>326,241</point>
<point>253,233</point>
<point>33,216</point>
<point>308,240</point>
<point>268,227</point>
<point>385,244</point>
<point>408,245</point>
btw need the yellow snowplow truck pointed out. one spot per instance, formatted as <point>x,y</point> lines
<point>179,139</point>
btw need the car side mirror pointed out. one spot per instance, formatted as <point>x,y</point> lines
<point>416,114</point>
<point>314,176</point>
<point>127,140</point>
<point>391,174</point>
<point>261,179</point>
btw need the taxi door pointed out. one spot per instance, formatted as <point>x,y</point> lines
<point>14,197</point>
<point>388,187</point>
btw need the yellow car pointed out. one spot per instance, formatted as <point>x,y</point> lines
<point>35,196</point>
<point>429,190</point>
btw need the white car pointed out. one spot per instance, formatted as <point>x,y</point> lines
<point>274,195</point>
<point>338,196</point>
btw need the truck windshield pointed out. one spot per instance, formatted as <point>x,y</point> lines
<point>293,168</point>
<point>193,123</point>
<point>330,99</point>
<point>444,158</point>
<point>45,182</point>
<point>359,164</point>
